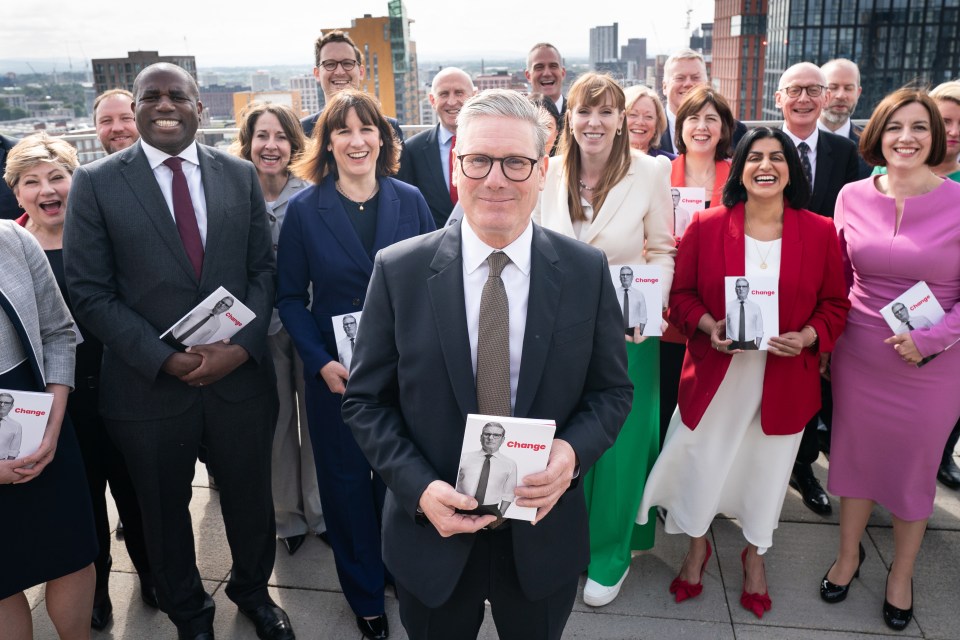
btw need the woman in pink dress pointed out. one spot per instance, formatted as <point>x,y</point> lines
<point>891,417</point>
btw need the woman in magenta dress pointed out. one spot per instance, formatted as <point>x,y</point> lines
<point>891,417</point>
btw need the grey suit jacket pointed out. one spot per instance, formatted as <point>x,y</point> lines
<point>130,279</point>
<point>28,283</point>
<point>420,166</point>
<point>412,386</point>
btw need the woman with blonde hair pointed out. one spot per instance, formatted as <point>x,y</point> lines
<point>601,192</point>
<point>646,120</point>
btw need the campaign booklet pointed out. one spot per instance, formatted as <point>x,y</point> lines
<point>23,421</point>
<point>753,312</point>
<point>639,290</point>
<point>345,333</point>
<point>497,454</point>
<point>915,308</point>
<point>220,316</point>
<point>686,202</point>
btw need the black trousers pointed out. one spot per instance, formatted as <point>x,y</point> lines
<point>952,442</point>
<point>490,574</point>
<point>671,364</point>
<point>162,456</point>
<point>105,464</point>
<point>809,449</point>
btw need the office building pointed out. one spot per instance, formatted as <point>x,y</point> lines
<point>633,55</point>
<point>894,42</point>
<point>604,45</point>
<point>119,73</point>
<point>739,47</point>
<point>309,92</point>
<point>260,81</point>
<point>289,98</point>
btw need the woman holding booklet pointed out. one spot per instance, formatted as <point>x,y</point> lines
<point>601,192</point>
<point>733,438</point>
<point>328,242</point>
<point>891,418</point>
<point>43,494</point>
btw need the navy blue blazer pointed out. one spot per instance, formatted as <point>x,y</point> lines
<point>420,166</point>
<point>320,248</point>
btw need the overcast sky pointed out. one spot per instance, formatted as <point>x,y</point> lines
<point>240,33</point>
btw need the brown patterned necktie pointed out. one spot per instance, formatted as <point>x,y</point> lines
<point>493,343</point>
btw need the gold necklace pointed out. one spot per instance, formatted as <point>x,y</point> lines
<point>763,258</point>
<point>340,190</point>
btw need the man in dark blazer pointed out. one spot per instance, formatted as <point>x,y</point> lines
<point>426,161</point>
<point>155,229</point>
<point>683,71</point>
<point>831,162</point>
<point>545,73</point>
<point>336,50</point>
<point>9,208</point>
<point>843,92</point>
<point>413,384</point>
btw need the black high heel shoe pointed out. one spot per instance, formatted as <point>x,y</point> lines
<point>897,619</point>
<point>834,593</point>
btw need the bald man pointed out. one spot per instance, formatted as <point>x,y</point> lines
<point>843,93</point>
<point>426,158</point>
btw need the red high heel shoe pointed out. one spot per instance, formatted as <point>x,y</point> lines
<point>758,603</point>
<point>684,590</point>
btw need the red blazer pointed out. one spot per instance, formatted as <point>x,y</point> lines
<point>678,177</point>
<point>812,291</point>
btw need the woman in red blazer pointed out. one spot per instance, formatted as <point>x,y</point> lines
<point>732,441</point>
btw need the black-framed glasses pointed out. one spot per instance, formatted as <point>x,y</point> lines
<point>477,166</point>
<point>331,65</point>
<point>813,90</point>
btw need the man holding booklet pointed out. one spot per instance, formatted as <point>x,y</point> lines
<point>496,316</point>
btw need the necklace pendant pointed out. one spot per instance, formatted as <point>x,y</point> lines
<point>763,265</point>
<point>361,209</point>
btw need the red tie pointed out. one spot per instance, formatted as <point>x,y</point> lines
<point>185,215</point>
<point>453,159</point>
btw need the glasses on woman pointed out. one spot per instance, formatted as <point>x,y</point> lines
<point>331,65</point>
<point>477,166</point>
<point>813,90</point>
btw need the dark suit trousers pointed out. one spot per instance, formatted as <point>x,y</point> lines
<point>162,456</point>
<point>351,496</point>
<point>490,574</point>
<point>809,449</point>
<point>104,464</point>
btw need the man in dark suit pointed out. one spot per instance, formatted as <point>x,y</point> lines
<point>427,159</point>
<point>339,66</point>
<point>683,71</point>
<point>154,229</point>
<point>843,91</point>
<point>829,161</point>
<point>9,208</point>
<point>532,317</point>
<point>545,73</point>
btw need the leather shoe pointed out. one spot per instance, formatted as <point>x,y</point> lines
<point>293,543</point>
<point>376,629</point>
<point>120,530</point>
<point>803,480</point>
<point>201,635</point>
<point>897,619</point>
<point>271,622</point>
<point>148,592</point>
<point>102,610</point>
<point>834,593</point>
<point>949,473</point>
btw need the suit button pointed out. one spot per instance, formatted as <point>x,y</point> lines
<point>273,218</point>
<point>275,247</point>
<point>356,302</point>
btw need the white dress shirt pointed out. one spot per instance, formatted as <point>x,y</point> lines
<point>811,154</point>
<point>445,139</point>
<point>842,131</point>
<point>516,281</point>
<point>501,482</point>
<point>191,170</point>
<point>672,127</point>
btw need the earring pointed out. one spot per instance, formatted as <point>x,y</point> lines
<point>618,131</point>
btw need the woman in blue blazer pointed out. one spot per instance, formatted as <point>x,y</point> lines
<point>329,239</point>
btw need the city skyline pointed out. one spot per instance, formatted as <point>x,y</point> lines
<point>498,29</point>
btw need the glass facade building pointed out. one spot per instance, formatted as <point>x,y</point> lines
<point>894,42</point>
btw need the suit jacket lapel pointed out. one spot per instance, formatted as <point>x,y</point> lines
<point>388,217</point>
<point>446,296</point>
<point>824,169</point>
<point>543,303</point>
<point>734,252</point>
<point>431,156</point>
<point>211,174</point>
<point>791,255</point>
<point>611,205</point>
<point>334,216</point>
<point>143,184</point>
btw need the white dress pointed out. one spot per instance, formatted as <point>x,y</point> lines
<point>727,465</point>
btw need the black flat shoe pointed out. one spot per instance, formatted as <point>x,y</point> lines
<point>376,629</point>
<point>270,621</point>
<point>102,611</point>
<point>897,619</point>
<point>834,593</point>
<point>949,473</point>
<point>814,497</point>
<point>293,543</point>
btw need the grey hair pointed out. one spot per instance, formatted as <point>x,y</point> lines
<point>801,66</point>
<point>684,54</point>
<point>504,103</point>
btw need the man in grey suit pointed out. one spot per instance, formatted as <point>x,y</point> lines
<point>155,229</point>
<point>502,318</point>
<point>427,158</point>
